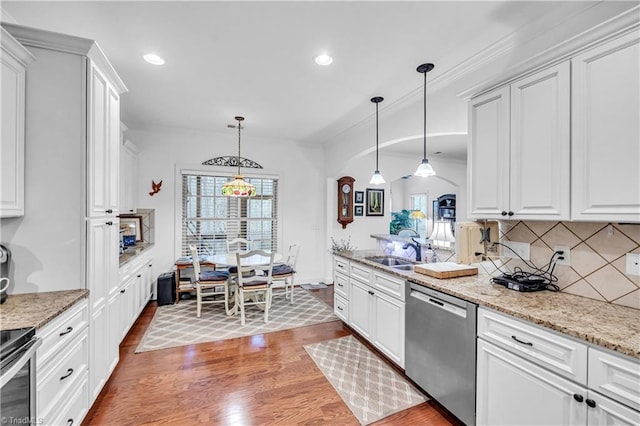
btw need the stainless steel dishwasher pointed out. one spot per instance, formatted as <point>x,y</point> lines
<point>440,348</point>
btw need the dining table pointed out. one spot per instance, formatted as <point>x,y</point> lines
<point>229,259</point>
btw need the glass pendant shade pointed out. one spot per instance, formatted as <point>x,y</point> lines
<point>425,169</point>
<point>377,178</point>
<point>238,187</point>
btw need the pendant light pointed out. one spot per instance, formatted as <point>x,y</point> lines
<point>238,187</point>
<point>425,169</point>
<point>377,178</point>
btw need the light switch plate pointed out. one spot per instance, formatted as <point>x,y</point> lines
<point>633,263</point>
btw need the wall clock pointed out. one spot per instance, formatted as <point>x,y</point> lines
<point>345,200</point>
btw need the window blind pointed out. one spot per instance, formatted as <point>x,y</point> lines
<point>209,218</point>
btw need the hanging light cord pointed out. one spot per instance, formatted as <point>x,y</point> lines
<point>377,137</point>
<point>239,126</point>
<point>424,124</point>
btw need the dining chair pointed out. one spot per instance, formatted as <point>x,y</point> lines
<point>253,282</point>
<point>239,244</point>
<point>209,284</point>
<point>286,271</point>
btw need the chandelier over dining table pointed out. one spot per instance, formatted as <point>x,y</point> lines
<point>238,187</point>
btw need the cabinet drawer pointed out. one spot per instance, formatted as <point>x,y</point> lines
<point>58,333</point>
<point>559,354</point>
<point>341,265</point>
<point>341,308</point>
<point>341,285</point>
<point>73,410</point>
<point>614,376</point>
<point>389,284</point>
<point>62,374</point>
<point>363,273</point>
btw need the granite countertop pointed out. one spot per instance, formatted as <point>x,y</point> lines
<point>604,324</point>
<point>37,309</point>
<point>132,252</point>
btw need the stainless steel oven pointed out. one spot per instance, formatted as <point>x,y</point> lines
<point>18,376</point>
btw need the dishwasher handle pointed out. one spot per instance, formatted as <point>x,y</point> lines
<point>456,310</point>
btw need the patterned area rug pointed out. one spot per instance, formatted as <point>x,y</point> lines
<point>371,389</point>
<point>177,325</point>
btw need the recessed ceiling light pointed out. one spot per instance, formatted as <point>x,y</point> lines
<point>153,59</point>
<point>323,59</point>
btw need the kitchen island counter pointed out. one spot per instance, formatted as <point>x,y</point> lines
<point>611,326</point>
<point>37,309</point>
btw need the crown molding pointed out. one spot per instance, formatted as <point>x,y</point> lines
<point>615,27</point>
<point>50,40</point>
<point>15,49</point>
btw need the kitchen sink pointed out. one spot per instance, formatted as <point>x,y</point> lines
<point>403,267</point>
<point>391,261</point>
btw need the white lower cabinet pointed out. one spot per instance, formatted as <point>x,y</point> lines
<point>372,303</point>
<point>62,392</point>
<point>135,291</point>
<point>529,375</point>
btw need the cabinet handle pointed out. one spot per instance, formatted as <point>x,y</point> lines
<point>109,211</point>
<point>123,290</point>
<point>578,397</point>
<point>150,265</point>
<point>69,372</point>
<point>138,276</point>
<point>340,307</point>
<point>371,293</point>
<point>590,402</point>
<point>339,285</point>
<point>510,213</point>
<point>69,422</point>
<point>522,342</point>
<point>109,223</point>
<point>67,331</point>
<point>504,213</point>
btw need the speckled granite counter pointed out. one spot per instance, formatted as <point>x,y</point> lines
<point>36,309</point>
<point>132,252</point>
<point>604,324</point>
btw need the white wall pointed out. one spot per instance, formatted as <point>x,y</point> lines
<point>301,187</point>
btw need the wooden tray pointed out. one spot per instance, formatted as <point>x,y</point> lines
<point>445,270</point>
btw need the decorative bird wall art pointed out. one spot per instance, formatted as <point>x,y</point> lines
<point>155,188</point>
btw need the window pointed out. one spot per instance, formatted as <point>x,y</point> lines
<point>208,218</point>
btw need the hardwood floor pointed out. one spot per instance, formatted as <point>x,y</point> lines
<point>257,380</point>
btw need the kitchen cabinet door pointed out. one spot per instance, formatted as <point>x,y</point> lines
<point>512,391</point>
<point>605,132</point>
<point>14,58</point>
<point>99,354</point>
<point>608,412</point>
<point>488,154</point>
<point>540,145</point>
<point>388,319</point>
<point>128,177</point>
<point>360,306</point>
<point>102,145</point>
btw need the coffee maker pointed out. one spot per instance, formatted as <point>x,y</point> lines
<point>5,257</point>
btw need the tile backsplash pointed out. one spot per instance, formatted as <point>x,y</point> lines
<point>597,256</point>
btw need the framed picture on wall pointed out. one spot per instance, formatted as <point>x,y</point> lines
<point>375,202</point>
<point>131,226</point>
<point>359,197</point>
<point>358,210</point>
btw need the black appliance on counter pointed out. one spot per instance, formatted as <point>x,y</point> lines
<point>5,257</point>
<point>18,375</point>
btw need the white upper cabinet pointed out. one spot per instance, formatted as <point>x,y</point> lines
<point>519,149</point>
<point>606,134</point>
<point>128,177</point>
<point>15,58</point>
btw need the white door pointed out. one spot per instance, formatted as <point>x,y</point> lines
<point>540,145</point>
<point>604,411</point>
<point>98,143</point>
<point>112,173</point>
<point>388,317</point>
<point>511,391</point>
<point>360,308</point>
<point>605,132</point>
<point>488,155</point>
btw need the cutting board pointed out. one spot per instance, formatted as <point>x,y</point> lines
<point>445,270</point>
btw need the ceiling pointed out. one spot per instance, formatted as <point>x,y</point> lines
<point>256,58</point>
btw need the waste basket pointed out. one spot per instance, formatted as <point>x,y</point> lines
<point>166,288</point>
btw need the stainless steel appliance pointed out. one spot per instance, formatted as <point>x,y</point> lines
<point>5,257</point>
<point>18,376</point>
<point>440,348</point>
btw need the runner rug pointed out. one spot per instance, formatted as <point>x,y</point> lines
<point>177,325</point>
<point>371,389</point>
